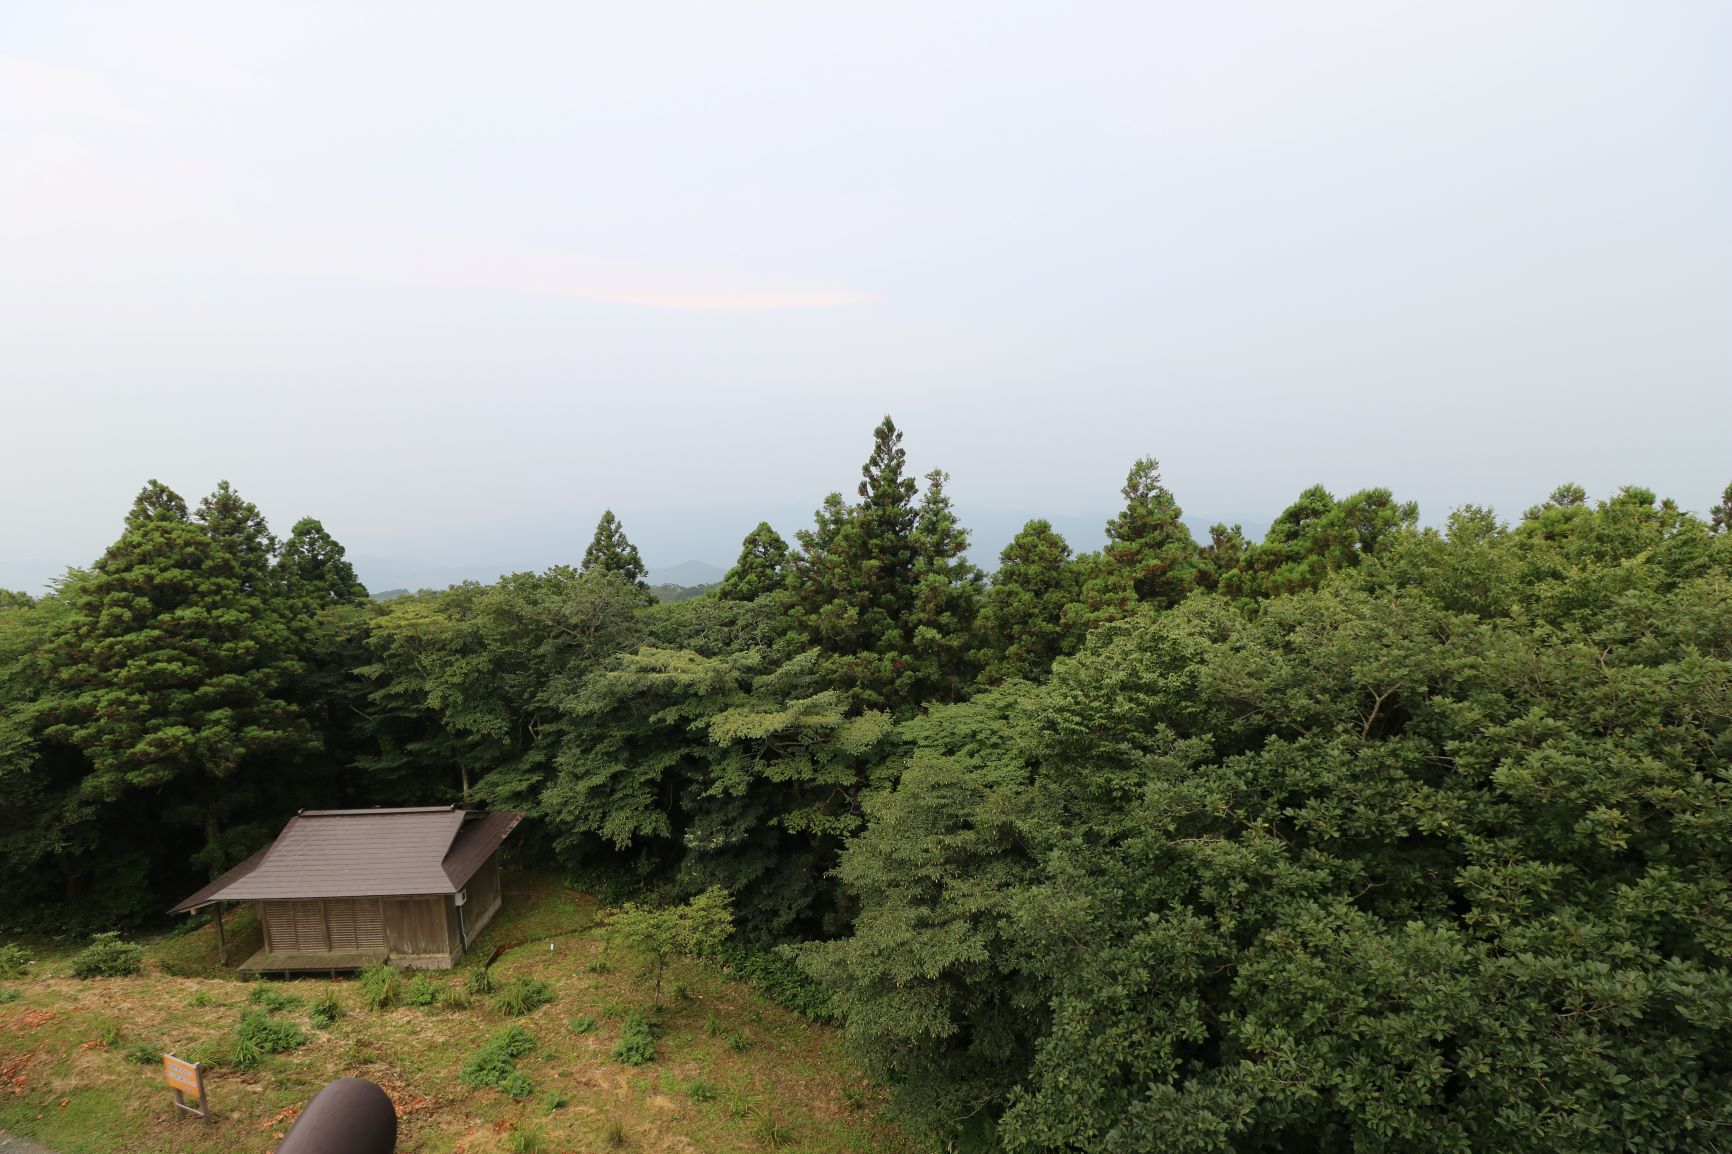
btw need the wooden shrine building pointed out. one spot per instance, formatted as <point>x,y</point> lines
<point>344,888</point>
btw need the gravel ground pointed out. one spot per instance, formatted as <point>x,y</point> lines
<point>12,1144</point>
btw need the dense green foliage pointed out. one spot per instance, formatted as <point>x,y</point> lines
<point>696,928</point>
<point>108,957</point>
<point>1355,836</point>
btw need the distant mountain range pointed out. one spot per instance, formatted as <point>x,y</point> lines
<point>687,573</point>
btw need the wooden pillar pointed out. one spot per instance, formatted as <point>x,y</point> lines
<point>222,946</point>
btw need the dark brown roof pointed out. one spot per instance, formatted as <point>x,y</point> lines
<point>203,897</point>
<point>352,853</point>
<point>475,843</point>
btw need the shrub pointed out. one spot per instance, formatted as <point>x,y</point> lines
<point>422,991</point>
<point>270,1035</point>
<point>381,987</point>
<point>480,981</point>
<point>108,957</point>
<point>522,995</point>
<point>143,1054</point>
<point>637,1041</point>
<point>555,1101</point>
<point>14,960</point>
<point>583,1025</point>
<point>201,999</point>
<point>268,995</point>
<point>701,1091</point>
<point>453,998</point>
<point>494,1066</point>
<point>9,995</point>
<point>326,1010</point>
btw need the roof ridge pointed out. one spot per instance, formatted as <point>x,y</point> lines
<point>376,810</point>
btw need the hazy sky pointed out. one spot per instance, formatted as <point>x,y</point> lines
<point>453,278</point>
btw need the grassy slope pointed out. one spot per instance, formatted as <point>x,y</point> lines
<point>789,1088</point>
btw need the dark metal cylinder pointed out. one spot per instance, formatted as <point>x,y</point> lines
<point>350,1116</point>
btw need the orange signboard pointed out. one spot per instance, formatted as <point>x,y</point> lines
<point>182,1075</point>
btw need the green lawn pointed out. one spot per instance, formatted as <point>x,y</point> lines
<point>733,1072</point>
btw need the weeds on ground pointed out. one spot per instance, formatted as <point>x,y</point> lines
<point>494,1066</point>
<point>453,998</point>
<point>422,991</point>
<point>480,981</point>
<point>9,995</point>
<point>381,987</point>
<point>637,1041</point>
<point>583,1025</point>
<point>525,1140</point>
<point>143,1054</point>
<point>522,995</point>
<point>273,998</point>
<point>270,1035</point>
<point>326,1010</point>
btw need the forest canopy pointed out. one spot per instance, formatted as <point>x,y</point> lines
<point>1360,835</point>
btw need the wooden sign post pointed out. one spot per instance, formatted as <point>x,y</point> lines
<point>186,1078</point>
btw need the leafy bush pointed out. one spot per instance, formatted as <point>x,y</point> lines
<point>8,994</point>
<point>422,991</point>
<point>381,987</point>
<point>494,1066</point>
<point>583,1025</point>
<point>272,998</point>
<point>521,996</point>
<point>701,1091</point>
<point>270,1035</point>
<point>555,1101</point>
<point>326,1010</point>
<point>15,960</point>
<point>637,1041</point>
<point>480,981</point>
<point>108,957</point>
<point>143,1054</point>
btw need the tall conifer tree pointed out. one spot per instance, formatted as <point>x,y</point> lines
<point>171,667</point>
<point>610,551</point>
<point>1020,615</point>
<point>759,571</point>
